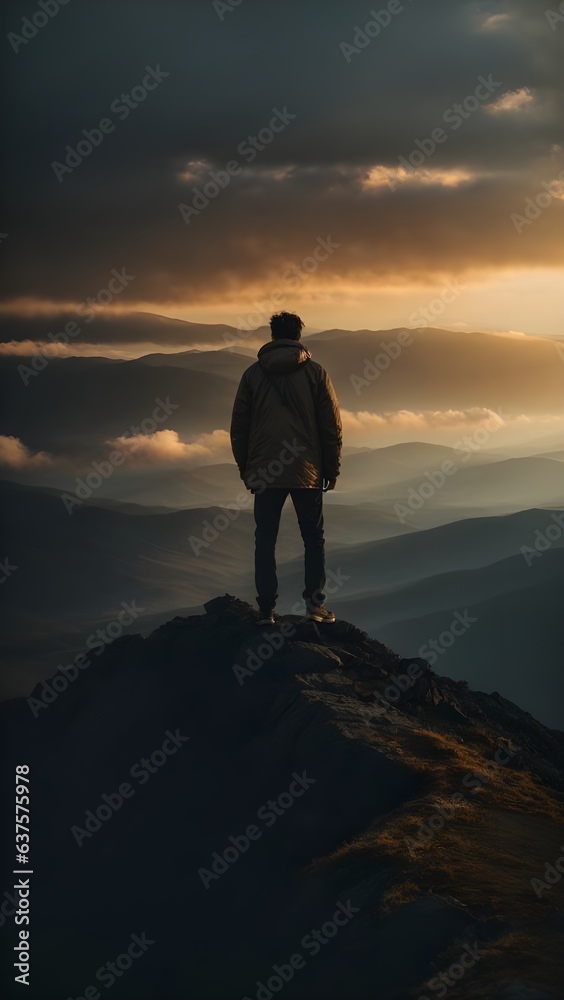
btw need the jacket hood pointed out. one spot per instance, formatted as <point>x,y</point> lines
<point>283,356</point>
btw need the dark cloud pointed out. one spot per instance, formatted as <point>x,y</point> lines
<point>119,207</point>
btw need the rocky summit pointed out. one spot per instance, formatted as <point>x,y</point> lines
<point>222,810</point>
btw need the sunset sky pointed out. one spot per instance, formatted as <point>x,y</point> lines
<point>485,79</point>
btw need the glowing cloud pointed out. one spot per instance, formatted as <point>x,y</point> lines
<point>380,177</point>
<point>15,455</point>
<point>495,21</point>
<point>364,421</point>
<point>512,102</point>
<point>165,447</point>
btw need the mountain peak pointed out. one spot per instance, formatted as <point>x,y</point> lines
<point>284,780</point>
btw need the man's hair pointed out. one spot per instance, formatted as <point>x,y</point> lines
<point>286,326</point>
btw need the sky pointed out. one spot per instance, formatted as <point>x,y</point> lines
<point>416,168</point>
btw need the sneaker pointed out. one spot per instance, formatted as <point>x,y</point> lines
<point>266,618</point>
<point>319,613</point>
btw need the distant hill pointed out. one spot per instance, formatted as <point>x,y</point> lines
<point>76,404</point>
<point>126,328</point>
<point>442,369</point>
<point>384,479</point>
<point>404,590</point>
<point>74,570</point>
<point>228,364</point>
<point>403,559</point>
<point>74,576</point>
<point>438,370</point>
<point>513,646</point>
<point>483,481</point>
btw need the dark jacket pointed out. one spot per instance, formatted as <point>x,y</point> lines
<point>286,428</point>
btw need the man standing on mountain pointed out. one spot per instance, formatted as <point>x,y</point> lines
<point>286,437</point>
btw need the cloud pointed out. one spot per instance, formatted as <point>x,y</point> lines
<point>28,348</point>
<point>441,219</point>
<point>120,351</point>
<point>511,334</point>
<point>381,176</point>
<point>165,447</point>
<point>15,455</point>
<point>407,420</point>
<point>446,426</point>
<point>119,207</point>
<point>495,21</point>
<point>512,101</point>
<point>141,450</point>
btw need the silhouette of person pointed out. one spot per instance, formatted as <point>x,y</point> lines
<point>286,437</point>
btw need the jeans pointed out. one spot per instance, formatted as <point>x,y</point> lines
<point>308,504</point>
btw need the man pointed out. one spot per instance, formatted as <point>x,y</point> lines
<point>286,437</point>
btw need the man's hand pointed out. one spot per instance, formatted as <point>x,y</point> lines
<point>329,484</point>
